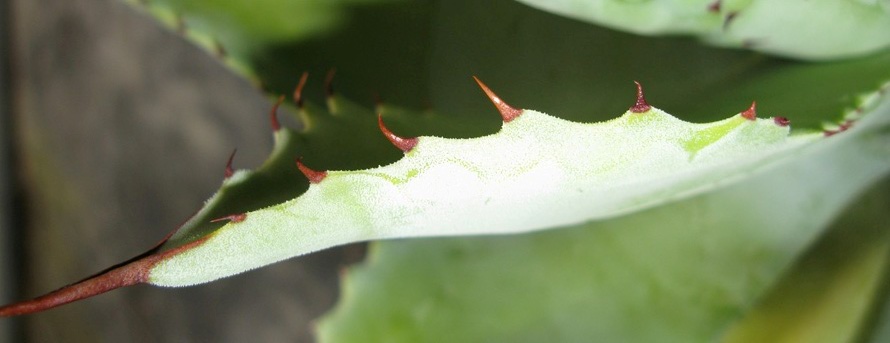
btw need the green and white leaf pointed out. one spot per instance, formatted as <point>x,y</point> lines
<point>684,271</point>
<point>538,172</point>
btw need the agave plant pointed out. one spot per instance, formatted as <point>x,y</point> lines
<point>606,220</point>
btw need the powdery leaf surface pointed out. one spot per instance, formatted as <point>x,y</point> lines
<point>538,172</point>
<point>684,271</point>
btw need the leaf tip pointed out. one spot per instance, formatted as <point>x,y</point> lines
<point>136,270</point>
<point>128,273</point>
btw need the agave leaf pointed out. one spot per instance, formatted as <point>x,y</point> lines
<point>451,187</point>
<point>679,272</point>
<point>555,172</point>
<point>810,30</point>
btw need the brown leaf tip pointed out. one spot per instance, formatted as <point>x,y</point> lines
<point>508,113</point>
<point>126,274</point>
<point>404,144</point>
<point>751,112</point>
<point>298,92</point>
<point>715,6</point>
<point>781,121</point>
<point>641,105</point>
<point>131,272</point>
<point>233,218</point>
<point>273,114</point>
<point>313,175</point>
<point>229,170</point>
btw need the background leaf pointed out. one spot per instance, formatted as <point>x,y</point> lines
<point>801,29</point>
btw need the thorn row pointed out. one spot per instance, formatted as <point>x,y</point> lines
<point>314,176</point>
<point>781,121</point>
<point>843,127</point>
<point>508,113</point>
<point>298,92</point>
<point>273,117</point>
<point>641,105</point>
<point>229,170</point>
<point>404,144</point>
<point>751,112</point>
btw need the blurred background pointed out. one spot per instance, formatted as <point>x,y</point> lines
<point>114,129</point>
